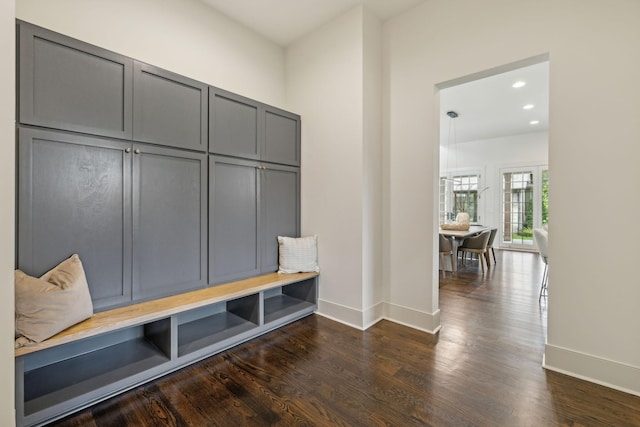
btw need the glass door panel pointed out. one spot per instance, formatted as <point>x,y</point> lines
<point>517,221</point>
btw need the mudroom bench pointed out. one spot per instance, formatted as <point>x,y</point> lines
<point>119,349</point>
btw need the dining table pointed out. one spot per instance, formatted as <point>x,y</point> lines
<point>463,234</point>
<point>457,237</point>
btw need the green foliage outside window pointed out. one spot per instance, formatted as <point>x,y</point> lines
<point>545,197</point>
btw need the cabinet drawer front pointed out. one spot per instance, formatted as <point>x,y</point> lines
<point>71,85</point>
<point>74,197</point>
<point>169,109</point>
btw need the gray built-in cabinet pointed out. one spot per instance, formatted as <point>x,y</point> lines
<point>135,213</point>
<point>71,85</point>
<point>242,127</point>
<point>169,221</point>
<point>162,184</point>
<point>74,196</point>
<point>169,109</point>
<point>250,204</point>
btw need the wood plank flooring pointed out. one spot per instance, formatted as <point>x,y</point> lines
<point>482,369</point>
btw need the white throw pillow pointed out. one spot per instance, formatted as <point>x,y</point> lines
<point>298,254</point>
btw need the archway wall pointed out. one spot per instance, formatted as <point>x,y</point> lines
<point>593,49</point>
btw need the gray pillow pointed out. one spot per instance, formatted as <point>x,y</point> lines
<point>53,302</point>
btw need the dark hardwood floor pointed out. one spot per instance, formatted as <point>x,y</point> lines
<point>482,369</point>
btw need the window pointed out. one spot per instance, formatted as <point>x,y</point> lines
<point>459,194</point>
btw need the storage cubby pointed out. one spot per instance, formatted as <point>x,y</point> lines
<point>121,348</point>
<point>283,302</point>
<point>213,324</point>
<point>81,369</point>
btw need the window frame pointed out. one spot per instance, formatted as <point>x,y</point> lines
<point>447,205</point>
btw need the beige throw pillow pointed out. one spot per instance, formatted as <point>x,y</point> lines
<point>53,302</point>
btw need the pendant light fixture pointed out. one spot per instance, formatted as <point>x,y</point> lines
<point>451,136</point>
<point>449,181</point>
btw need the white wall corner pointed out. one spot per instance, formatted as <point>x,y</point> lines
<point>591,368</point>
<point>373,315</point>
<point>416,319</point>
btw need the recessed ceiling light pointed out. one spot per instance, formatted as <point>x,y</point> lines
<point>534,122</point>
<point>518,84</point>
<point>528,107</point>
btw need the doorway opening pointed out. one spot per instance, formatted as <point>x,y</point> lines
<point>494,153</point>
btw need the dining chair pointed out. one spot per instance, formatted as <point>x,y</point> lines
<point>492,237</point>
<point>476,245</point>
<point>446,249</point>
<point>541,239</point>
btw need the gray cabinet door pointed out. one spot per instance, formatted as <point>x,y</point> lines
<point>281,137</point>
<point>168,109</point>
<point>74,197</point>
<point>169,221</point>
<point>280,187</point>
<point>234,125</point>
<point>70,85</point>
<point>234,196</point>
<point>242,127</point>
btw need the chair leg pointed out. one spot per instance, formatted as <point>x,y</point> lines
<point>481,261</point>
<point>494,255</point>
<point>453,263</point>
<point>543,285</point>
<point>488,258</point>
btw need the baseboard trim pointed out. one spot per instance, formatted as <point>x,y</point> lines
<point>609,373</point>
<point>416,319</point>
<point>362,320</point>
<point>341,313</point>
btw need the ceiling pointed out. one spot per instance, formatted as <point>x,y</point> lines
<point>284,21</point>
<point>491,108</point>
<point>488,108</point>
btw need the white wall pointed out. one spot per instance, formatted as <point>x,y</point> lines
<point>325,85</point>
<point>372,243</point>
<point>594,51</point>
<point>7,210</point>
<point>488,156</point>
<point>183,36</point>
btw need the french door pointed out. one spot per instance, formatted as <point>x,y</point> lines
<point>524,205</point>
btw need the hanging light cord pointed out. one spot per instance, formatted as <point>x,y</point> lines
<point>452,132</point>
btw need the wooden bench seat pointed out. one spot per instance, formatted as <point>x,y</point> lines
<point>118,318</point>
